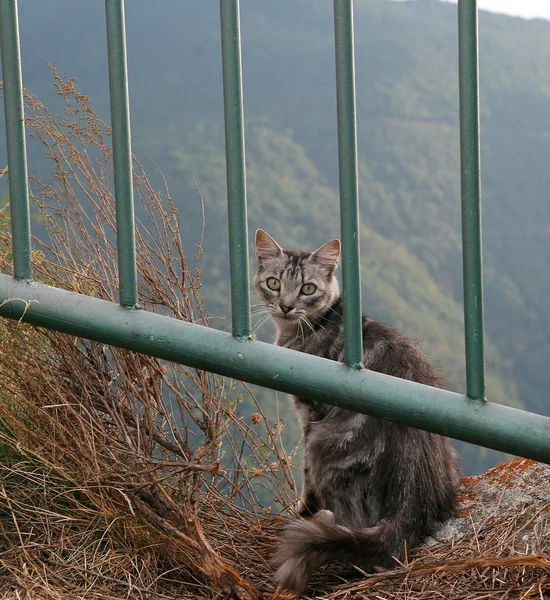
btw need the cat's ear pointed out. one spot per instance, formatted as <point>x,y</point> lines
<point>328,254</point>
<point>266,246</point>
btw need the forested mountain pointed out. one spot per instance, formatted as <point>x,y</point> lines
<point>407,103</point>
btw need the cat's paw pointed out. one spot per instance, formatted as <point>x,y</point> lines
<point>326,516</point>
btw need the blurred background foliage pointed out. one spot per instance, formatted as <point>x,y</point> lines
<point>407,111</point>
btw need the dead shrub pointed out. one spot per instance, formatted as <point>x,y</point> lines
<point>122,474</point>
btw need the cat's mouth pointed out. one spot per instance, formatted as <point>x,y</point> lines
<point>288,316</point>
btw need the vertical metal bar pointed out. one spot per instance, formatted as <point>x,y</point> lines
<point>347,161</point>
<point>15,137</point>
<point>471,196</point>
<point>235,164</point>
<point>122,152</point>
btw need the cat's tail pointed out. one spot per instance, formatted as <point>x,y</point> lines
<point>308,544</point>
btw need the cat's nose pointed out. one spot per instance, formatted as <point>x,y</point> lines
<point>285,309</point>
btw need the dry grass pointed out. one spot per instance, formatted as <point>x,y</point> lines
<point>492,563</point>
<point>122,476</point>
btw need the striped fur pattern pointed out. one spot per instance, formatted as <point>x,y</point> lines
<point>387,486</point>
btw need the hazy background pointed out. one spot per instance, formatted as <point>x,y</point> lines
<point>522,8</point>
<point>407,103</point>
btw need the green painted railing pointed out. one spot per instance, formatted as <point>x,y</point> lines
<point>471,197</point>
<point>349,196</point>
<point>122,152</point>
<point>15,136</point>
<point>465,417</point>
<point>236,170</point>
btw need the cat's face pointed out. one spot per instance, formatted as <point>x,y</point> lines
<point>294,285</point>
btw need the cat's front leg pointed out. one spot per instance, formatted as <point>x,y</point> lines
<point>309,505</point>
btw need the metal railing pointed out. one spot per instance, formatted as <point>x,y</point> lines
<point>466,417</point>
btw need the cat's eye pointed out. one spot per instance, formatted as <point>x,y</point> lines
<point>273,283</point>
<point>308,289</point>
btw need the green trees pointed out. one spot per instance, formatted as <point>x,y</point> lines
<point>407,101</point>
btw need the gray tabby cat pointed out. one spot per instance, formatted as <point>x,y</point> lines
<point>387,486</point>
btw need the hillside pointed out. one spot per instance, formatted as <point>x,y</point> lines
<point>409,160</point>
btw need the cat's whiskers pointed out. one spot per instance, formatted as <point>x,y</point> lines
<point>332,309</point>
<point>298,330</point>
<point>319,325</point>
<point>261,316</point>
<point>302,330</point>
<point>264,309</point>
<point>260,324</point>
<point>306,321</point>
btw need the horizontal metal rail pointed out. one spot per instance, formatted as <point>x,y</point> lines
<point>471,197</point>
<point>122,152</point>
<point>15,134</point>
<point>347,167</point>
<point>235,165</point>
<point>440,411</point>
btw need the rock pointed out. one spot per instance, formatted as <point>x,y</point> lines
<point>518,491</point>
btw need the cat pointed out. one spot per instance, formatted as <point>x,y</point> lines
<point>387,486</point>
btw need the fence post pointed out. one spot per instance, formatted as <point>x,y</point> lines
<point>471,197</point>
<point>347,166</point>
<point>235,165</point>
<point>15,139</point>
<point>122,152</point>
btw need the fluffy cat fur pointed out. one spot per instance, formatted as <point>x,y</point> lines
<point>387,486</point>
